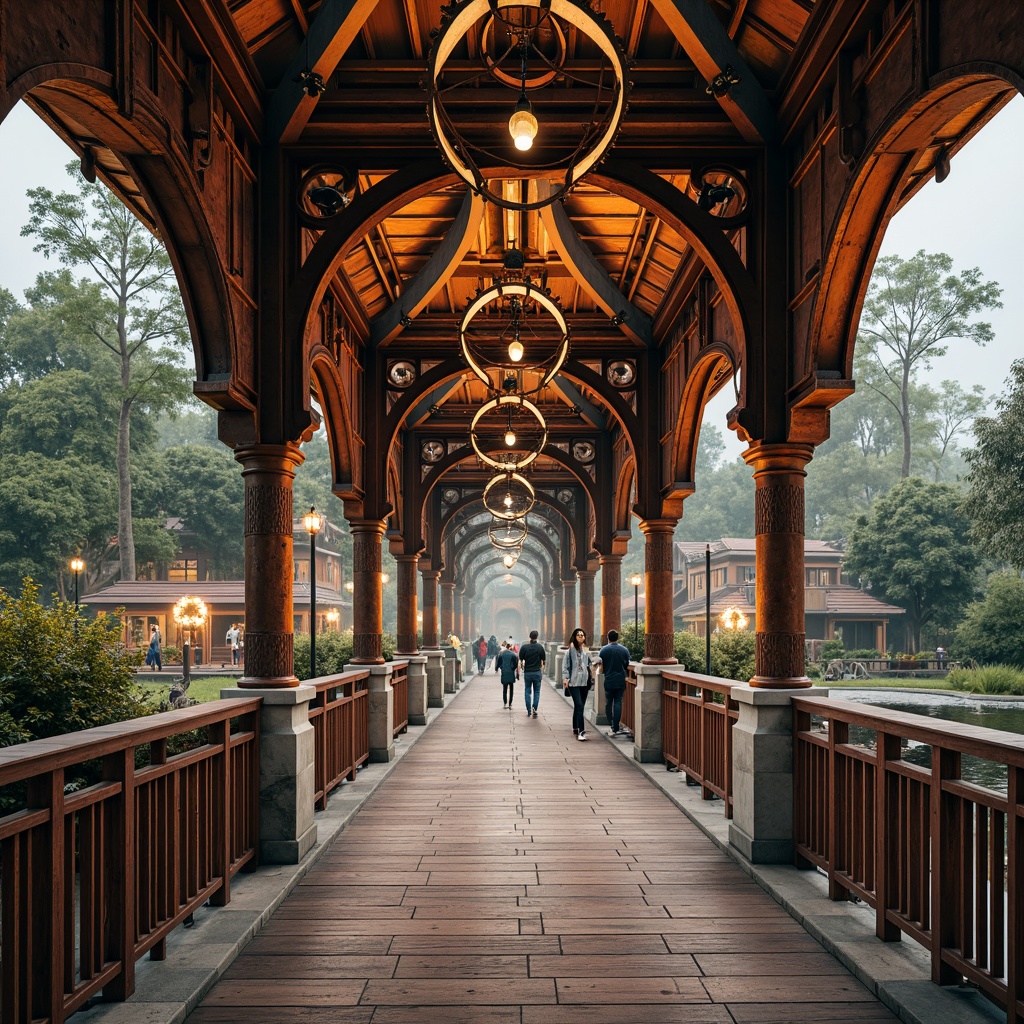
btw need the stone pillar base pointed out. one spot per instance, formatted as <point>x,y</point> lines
<point>417,673</point>
<point>435,678</point>
<point>762,774</point>
<point>647,740</point>
<point>287,778</point>
<point>382,715</point>
<point>450,679</point>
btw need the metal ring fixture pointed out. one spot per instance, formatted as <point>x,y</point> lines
<point>509,402</point>
<point>530,293</point>
<point>456,23</point>
<point>515,501</point>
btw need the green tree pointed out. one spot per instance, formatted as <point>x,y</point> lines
<point>61,672</point>
<point>732,654</point>
<point>992,631</point>
<point>913,308</point>
<point>995,500</point>
<point>914,550</point>
<point>135,316</point>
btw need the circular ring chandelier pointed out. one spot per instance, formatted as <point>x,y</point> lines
<point>524,65</point>
<point>506,534</point>
<point>509,496</point>
<point>510,438</point>
<point>518,294</point>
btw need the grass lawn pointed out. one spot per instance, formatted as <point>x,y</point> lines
<point>887,682</point>
<point>203,689</point>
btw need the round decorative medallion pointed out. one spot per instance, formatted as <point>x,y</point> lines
<point>621,373</point>
<point>583,451</point>
<point>401,373</point>
<point>451,496</point>
<point>432,451</point>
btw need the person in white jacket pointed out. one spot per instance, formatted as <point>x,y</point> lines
<point>578,679</point>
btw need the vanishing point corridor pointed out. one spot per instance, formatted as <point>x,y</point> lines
<point>505,873</point>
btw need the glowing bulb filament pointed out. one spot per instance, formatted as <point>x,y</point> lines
<point>508,500</point>
<point>522,125</point>
<point>515,351</point>
<point>510,438</point>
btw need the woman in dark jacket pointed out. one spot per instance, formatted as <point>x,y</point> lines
<point>507,663</point>
<point>578,678</point>
<point>493,648</point>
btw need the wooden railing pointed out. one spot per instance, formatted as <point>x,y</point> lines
<point>340,716</point>
<point>91,880</point>
<point>938,858</point>
<point>627,720</point>
<point>697,716</point>
<point>400,696</point>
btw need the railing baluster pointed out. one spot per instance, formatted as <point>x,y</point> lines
<point>887,845</point>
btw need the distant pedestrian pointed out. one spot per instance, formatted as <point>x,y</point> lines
<point>532,657</point>
<point>232,640</point>
<point>493,647</point>
<point>507,663</point>
<point>480,652</point>
<point>578,679</point>
<point>614,663</point>
<point>153,653</point>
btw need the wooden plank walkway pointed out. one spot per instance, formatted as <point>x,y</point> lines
<point>507,874</point>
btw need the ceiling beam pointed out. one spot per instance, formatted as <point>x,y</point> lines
<point>590,412</point>
<point>337,23</point>
<point>592,277</point>
<point>708,45</point>
<point>431,278</point>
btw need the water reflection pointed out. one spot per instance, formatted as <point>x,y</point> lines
<point>994,713</point>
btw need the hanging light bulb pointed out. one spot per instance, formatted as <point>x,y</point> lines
<point>510,437</point>
<point>509,560</point>
<point>507,500</point>
<point>522,125</point>
<point>515,351</point>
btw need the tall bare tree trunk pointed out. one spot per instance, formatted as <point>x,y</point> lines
<point>125,534</point>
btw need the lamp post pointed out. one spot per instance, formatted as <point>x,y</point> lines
<point>707,608</point>
<point>189,613</point>
<point>313,522</point>
<point>636,579</point>
<point>76,565</point>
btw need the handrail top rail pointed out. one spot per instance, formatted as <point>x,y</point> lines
<point>336,678</point>
<point>24,760</point>
<point>697,679</point>
<point>976,740</point>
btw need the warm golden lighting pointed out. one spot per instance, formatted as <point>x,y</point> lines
<point>507,500</point>
<point>515,351</point>
<point>510,438</point>
<point>76,565</point>
<point>332,615</point>
<point>190,613</point>
<point>522,125</point>
<point>385,578</point>
<point>732,618</point>
<point>508,577</point>
<point>312,521</point>
<point>349,586</point>
<point>635,580</point>
<point>509,559</point>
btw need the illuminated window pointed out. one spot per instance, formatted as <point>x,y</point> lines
<point>183,570</point>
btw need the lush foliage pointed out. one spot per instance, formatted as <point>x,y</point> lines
<point>993,629</point>
<point>914,550</point>
<point>690,650</point>
<point>633,639</point>
<point>60,672</point>
<point>732,654</point>
<point>333,652</point>
<point>995,501</point>
<point>990,679</point>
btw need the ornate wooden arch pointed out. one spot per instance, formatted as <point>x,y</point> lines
<point>346,466</point>
<point>709,366</point>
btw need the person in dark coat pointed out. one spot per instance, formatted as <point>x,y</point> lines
<point>532,658</point>
<point>507,663</point>
<point>480,653</point>
<point>614,663</point>
<point>493,647</point>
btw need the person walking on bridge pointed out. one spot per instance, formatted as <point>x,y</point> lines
<point>578,679</point>
<point>507,663</point>
<point>614,663</point>
<point>532,657</point>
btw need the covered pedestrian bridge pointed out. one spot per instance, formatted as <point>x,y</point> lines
<point>505,252</point>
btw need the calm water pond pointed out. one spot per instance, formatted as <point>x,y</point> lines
<point>992,713</point>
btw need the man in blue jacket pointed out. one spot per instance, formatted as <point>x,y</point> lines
<point>614,662</point>
<point>532,658</point>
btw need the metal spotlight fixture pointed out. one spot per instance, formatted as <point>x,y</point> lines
<point>312,84</point>
<point>720,85</point>
<point>327,199</point>
<point>711,196</point>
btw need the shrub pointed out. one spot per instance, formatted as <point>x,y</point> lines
<point>691,651</point>
<point>813,672</point>
<point>632,638</point>
<point>830,650</point>
<point>170,654</point>
<point>732,654</point>
<point>333,652</point>
<point>990,679</point>
<point>992,631</point>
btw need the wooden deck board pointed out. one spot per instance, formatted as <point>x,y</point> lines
<point>506,874</point>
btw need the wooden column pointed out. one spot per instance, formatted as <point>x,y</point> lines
<point>570,612</point>
<point>586,577</point>
<point>611,593</point>
<point>447,609</point>
<point>268,472</point>
<point>430,621</point>
<point>659,641</point>
<point>779,472</point>
<point>367,599</point>
<point>560,631</point>
<point>407,604</point>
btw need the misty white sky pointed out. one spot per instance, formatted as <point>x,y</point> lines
<point>970,215</point>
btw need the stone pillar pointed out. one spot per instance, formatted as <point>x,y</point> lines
<point>418,697</point>
<point>647,740</point>
<point>659,639</point>
<point>407,604</point>
<point>382,712</point>
<point>267,475</point>
<point>762,774</point>
<point>451,674</point>
<point>559,630</point>
<point>458,616</point>
<point>447,610</point>
<point>570,612</point>
<point>611,593</point>
<point>287,776</point>
<point>367,599</point>
<point>431,640</point>
<point>586,577</point>
<point>779,471</point>
<point>435,677</point>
